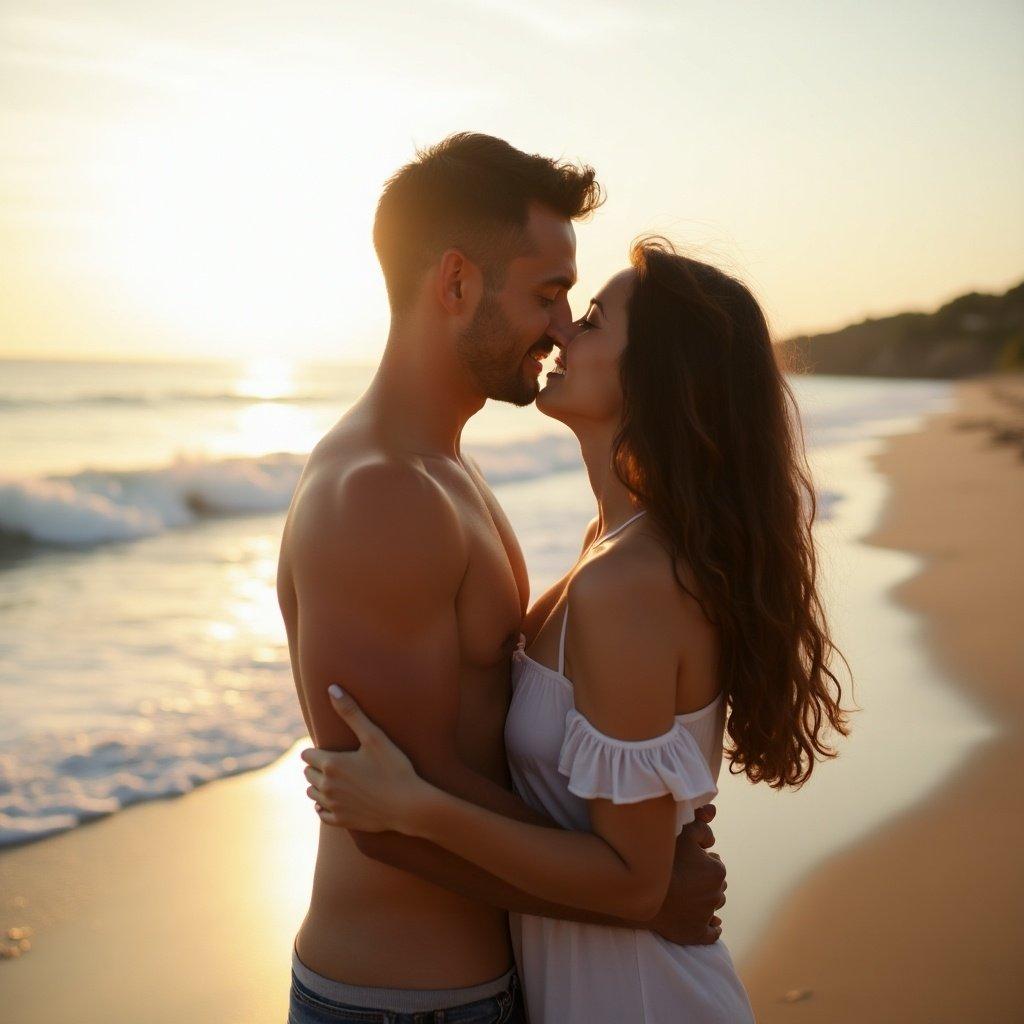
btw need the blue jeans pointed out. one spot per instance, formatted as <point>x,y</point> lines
<point>308,1007</point>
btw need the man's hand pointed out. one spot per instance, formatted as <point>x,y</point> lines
<point>697,888</point>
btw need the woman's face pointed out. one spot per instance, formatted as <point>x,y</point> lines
<point>589,388</point>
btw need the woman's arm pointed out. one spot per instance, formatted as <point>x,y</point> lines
<point>619,872</point>
<point>621,647</point>
<point>626,684</point>
<point>623,869</point>
<point>687,917</point>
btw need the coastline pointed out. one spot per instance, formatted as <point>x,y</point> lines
<point>921,920</point>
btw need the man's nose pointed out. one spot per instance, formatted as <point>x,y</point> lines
<point>563,329</point>
<point>560,324</point>
<point>559,333</point>
<point>564,333</point>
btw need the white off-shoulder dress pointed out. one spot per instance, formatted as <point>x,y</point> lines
<point>575,973</point>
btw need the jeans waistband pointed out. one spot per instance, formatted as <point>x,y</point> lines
<point>397,1000</point>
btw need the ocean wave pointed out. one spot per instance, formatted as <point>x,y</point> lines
<point>103,506</point>
<point>51,782</point>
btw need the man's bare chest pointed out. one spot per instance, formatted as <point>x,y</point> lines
<point>494,593</point>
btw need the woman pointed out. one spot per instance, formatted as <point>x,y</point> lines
<point>694,611</point>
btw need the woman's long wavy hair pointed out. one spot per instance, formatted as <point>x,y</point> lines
<point>711,445</point>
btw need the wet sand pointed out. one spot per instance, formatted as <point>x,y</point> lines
<point>166,912</point>
<point>924,920</point>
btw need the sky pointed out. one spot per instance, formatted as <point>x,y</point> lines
<point>198,179</point>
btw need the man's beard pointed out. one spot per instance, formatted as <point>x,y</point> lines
<point>487,351</point>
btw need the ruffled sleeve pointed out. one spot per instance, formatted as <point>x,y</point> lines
<point>628,771</point>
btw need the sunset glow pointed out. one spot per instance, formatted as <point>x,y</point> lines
<point>179,182</point>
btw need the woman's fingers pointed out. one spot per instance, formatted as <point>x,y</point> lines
<point>316,757</point>
<point>327,817</point>
<point>347,709</point>
<point>372,787</point>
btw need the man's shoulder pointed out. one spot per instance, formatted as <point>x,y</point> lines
<point>365,483</point>
<point>374,507</point>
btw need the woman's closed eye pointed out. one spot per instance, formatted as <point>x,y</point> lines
<point>585,323</point>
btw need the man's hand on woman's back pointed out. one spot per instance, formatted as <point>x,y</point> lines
<point>697,888</point>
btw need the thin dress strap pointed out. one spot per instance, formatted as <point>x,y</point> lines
<point>565,615</point>
<point>561,640</point>
<point>618,529</point>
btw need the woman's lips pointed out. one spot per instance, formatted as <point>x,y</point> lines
<point>558,370</point>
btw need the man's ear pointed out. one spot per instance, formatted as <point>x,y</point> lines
<point>456,282</point>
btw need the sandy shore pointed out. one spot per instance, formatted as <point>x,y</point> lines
<point>185,909</point>
<point>924,920</point>
<point>173,911</point>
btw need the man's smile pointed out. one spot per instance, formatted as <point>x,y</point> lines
<point>539,352</point>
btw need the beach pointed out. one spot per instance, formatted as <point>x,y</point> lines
<point>923,920</point>
<point>184,908</point>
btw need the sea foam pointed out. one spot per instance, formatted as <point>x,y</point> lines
<point>99,506</point>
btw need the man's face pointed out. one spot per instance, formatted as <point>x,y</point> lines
<point>516,326</point>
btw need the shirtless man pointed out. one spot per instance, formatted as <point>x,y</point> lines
<point>401,579</point>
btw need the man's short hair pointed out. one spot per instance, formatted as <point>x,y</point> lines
<point>471,192</point>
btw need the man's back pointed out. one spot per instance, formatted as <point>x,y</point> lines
<point>401,580</point>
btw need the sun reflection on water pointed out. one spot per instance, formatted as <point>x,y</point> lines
<point>267,377</point>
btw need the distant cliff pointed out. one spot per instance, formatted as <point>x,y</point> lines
<point>974,333</point>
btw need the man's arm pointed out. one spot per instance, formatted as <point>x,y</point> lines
<point>377,562</point>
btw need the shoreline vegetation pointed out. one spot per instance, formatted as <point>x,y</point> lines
<point>973,334</point>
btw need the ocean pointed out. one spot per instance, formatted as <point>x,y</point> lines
<point>142,652</point>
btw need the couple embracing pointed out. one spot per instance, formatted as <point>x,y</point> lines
<point>515,797</point>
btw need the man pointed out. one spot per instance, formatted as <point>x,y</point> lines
<point>401,578</point>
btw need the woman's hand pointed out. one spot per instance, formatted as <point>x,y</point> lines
<point>372,789</point>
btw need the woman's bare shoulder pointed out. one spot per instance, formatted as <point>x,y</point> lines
<point>622,644</point>
<point>626,605</point>
<point>635,569</point>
